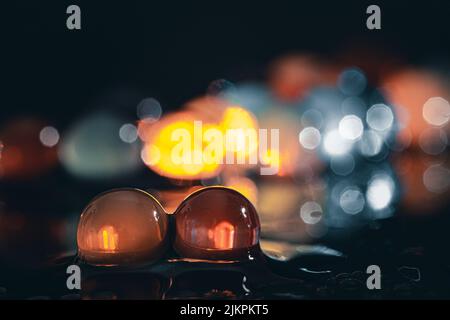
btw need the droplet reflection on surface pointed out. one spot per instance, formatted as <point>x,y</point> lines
<point>216,223</point>
<point>122,227</point>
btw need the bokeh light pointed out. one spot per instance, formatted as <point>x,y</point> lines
<point>380,117</point>
<point>335,145</point>
<point>380,191</point>
<point>93,149</point>
<point>351,127</point>
<point>149,109</point>
<point>49,136</point>
<point>310,138</point>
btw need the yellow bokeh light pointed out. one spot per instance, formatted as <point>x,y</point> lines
<point>181,152</point>
<point>241,130</point>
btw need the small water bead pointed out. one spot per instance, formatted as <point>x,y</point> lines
<point>217,223</point>
<point>122,227</point>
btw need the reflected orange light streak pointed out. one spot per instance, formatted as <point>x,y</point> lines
<point>223,235</point>
<point>108,238</point>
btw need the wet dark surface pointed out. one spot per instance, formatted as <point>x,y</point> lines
<point>419,271</point>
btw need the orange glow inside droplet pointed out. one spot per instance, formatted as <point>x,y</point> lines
<point>216,223</point>
<point>223,235</point>
<point>108,238</point>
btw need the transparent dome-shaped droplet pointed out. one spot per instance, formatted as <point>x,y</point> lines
<point>122,227</point>
<point>217,223</point>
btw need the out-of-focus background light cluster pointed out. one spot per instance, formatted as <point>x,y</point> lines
<point>355,148</point>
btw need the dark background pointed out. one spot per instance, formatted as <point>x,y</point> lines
<point>172,51</point>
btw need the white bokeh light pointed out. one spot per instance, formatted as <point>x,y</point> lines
<point>128,133</point>
<point>49,136</point>
<point>380,117</point>
<point>380,192</point>
<point>352,200</point>
<point>311,212</point>
<point>335,145</point>
<point>436,111</point>
<point>351,127</point>
<point>370,144</point>
<point>310,138</point>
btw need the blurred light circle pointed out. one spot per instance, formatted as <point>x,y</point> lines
<point>335,145</point>
<point>149,109</point>
<point>150,155</point>
<point>128,133</point>
<point>436,111</point>
<point>380,117</point>
<point>351,127</point>
<point>380,192</point>
<point>49,136</point>
<point>310,138</point>
<point>311,212</point>
<point>343,165</point>
<point>352,200</point>
<point>93,149</point>
<point>354,105</point>
<point>312,118</point>
<point>436,178</point>
<point>433,141</point>
<point>23,154</point>
<point>352,82</point>
<point>370,144</point>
